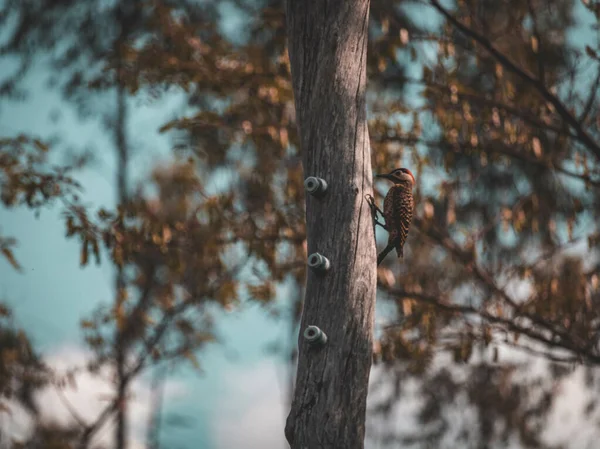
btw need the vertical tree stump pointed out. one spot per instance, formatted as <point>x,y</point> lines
<point>327,47</point>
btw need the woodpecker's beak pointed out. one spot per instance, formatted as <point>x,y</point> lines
<point>385,176</point>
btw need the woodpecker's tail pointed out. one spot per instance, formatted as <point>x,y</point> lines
<point>396,241</point>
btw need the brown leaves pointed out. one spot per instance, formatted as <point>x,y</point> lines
<point>84,254</point>
<point>264,292</point>
<point>25,178</point>
<point>227,293</point>
<point>20,368</point>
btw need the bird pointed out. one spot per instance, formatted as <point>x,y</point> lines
<point>398,207</point>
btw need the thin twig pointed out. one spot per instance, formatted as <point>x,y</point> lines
<point>142,359</point>
<point>76,416</point>
<point>545,354</point>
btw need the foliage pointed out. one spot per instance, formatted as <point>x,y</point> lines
<point>510,238</point>
<point>25,179</point>
<point>495,112</point>
<point>21,370</point>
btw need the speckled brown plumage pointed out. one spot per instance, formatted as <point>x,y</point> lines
<point>398,212</point>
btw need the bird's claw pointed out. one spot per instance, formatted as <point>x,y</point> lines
<point>374,210</point>
<point>371,202</point>
<point>372,205</point>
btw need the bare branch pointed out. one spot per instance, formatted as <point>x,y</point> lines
<point>74,413</point>
<point>545,354</point>
<point>141,361</point>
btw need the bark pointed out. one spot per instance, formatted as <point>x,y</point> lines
<point>327,47</point>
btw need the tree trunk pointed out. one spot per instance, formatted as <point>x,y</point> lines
<point>327,48</point>
<point>121,145</point>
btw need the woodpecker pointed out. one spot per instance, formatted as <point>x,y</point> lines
<point>398,207</point>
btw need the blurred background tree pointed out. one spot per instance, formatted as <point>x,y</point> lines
<point>494,107</point>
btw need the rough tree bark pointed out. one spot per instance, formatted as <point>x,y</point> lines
<point>327,48</point>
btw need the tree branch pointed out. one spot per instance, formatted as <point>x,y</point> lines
<point>76,416</point>
<point>162,327</point>
<point>562,110</point>
<point>508,323</point>
<point>486,279</point>
<point>548,165</point>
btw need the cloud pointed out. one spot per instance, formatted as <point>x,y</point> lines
<point>252,414</point>
<point>88,397</point>
<point>569,424</point>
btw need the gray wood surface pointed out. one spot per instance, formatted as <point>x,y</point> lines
<point>327,46</point>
